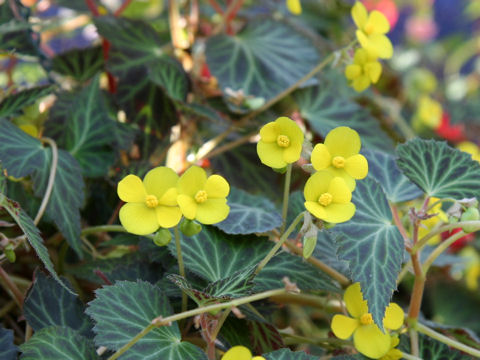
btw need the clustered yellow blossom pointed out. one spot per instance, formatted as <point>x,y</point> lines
<point>470,148</point>
<point>163,197</point>
<point>294,6</point>
<point>371,30</point>
<point>368,339</point>
<point>240,353</point>
<point>429,113</point>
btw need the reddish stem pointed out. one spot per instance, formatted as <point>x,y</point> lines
<point>122,7</point>
<point>216,7</point>
<point>92,7</point>
<point>102,276</point>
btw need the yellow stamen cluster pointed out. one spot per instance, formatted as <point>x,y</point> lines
<point>325,199</point>
<point>366,319</point>
<point>338,162</point>
<point>151,201</point>
<point>201,196</point>
<point>283,141</point>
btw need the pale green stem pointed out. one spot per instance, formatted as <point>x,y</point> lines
<point>222,319</point>
<point>410,357</point>
<point>448,341</point>
<point>51,180</point>
<point>160,321</point>
<point>279,243</point>
<point>440,249</point>
<point>181,267</point>
<point>286,193</point>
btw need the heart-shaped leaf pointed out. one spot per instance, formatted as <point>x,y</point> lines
<point>8,350</point>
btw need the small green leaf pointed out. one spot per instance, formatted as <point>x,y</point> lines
<point>383,168</point>
<point>80,64</point>
<point>170,76</point>
<point>58,342</point>
<point>8,350</point>
<point>325,109</point>
<point>309,244</point>
<point>122,310</point>
<point>258,60</point>
<point>287,354</point>
<point>431,349</point>
<point>83,126</point>
<point>372,246</point>
<point>12,104</point>
<point>49,304</point>
<point>249,214</point>
<point>438,169</point>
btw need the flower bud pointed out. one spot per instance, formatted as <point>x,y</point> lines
<point>470,214</point>
<point>162,237</point>
<point>309,245</point>
<point>190,227</point>
<point>9,252</point>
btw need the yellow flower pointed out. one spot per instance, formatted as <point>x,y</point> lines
<point>201,198</point>
<point>294,6</point>
<point>280,143</point>
<point>470,148</point>
<point>339,155</point>
<point>240,353</point>
<point>328,198</point>
<point>371,31</point>
<point>364,71</point>
<point>368,339</point>
<point>393,354</point>
<point>149,204</point>
<point>427,225</point>
<point>429,113</point>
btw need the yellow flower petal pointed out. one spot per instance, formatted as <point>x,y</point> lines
<point>316,185</point>
<point>237,353</point>
<point>131,189</point>
<point>294,6</point>
<point>169,198</point>
<point>353,298</point>
<point>343,141</point>
<point>393,354</point>
<point>292,153</point>
<point>353,71</point>
<point>316,209</point>
<point>138,219</point>
<point>371,342</point>
<point>338,213</point>
<point>168,216</point>
<point>393,317</point>
<point>373,70</point>
<point>271,155</point>
<point>356,166</point>
<point>468,147</point>
<point>378,22</point>
<point>192,181</point>
<point>321,158</point>
<point>344,326</point>
<point>212,211</point>
<point>217,187</point>
<point>361,83</point>
<point>340,192</point>
<point>360,57</point>
<point>291,129</point>
<point>159,180</point>
<point>258,358</point>
<point>344,175</point>
<point>376,45</point>
<point>359,14</point>
<point>269,132</point>
<point>188,206</point>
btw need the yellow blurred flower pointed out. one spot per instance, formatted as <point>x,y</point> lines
<point>472,268</point>
<point>240,353</point>
<point>368,339</point>
<point>371,31</point>
<point>280,143</point>
<point>339,155</point>
<point>149,204</point>
<point>294,6</point>
<point>364,71</point>
<point>328,198</point>
<point>429,113</point>
<point>470,148</point>
<point>201,198</point>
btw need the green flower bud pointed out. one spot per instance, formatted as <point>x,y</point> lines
<point>9,252</point>
<point>470,214</point>
<point>190,227</point>
<point>162,237</point>
<point>309,245</point>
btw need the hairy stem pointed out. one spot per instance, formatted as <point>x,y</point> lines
<point>286,193</point>
<point>396,219</point>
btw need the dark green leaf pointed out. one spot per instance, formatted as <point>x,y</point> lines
<point>431,349</point>
<point>80,64</point>
<point>170,76</point>
<point>265,337</point>
<point>31,232</point>
<point>325,109</point>
<point>8,350</point>
<point>84,127</point>
<point>58,343</point>
<point>372,246</point>
<point>287,354</point>
<point>12,104</point>
<point>258,60</point>
<point>439,170</point>
<point>18,40</point>
<point>49,304</point>
<point>249,214</point>
<point>326,250</point>
<point>383,168</point>
<point>122,310</point>
<point>214,256</point>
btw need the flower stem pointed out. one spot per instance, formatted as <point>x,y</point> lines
<point>160,321</point>
<point>286,193</point>
<point>51,179</point>
<point>448,341</point>
<point>279,243</point>
<point>181,267</point>
<point>440,249</point>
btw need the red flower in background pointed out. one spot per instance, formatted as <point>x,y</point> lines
<point>460,243</point>
<point>453,133</point>
<point>386,7</point>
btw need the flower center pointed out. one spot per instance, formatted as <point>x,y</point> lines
<point>338,162</point>
<point>201,196</point>
<point>151,201</point>
<point>366,319</point>
<point>325,199</point>
<point>369,28</point>
<point>283,141</point>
